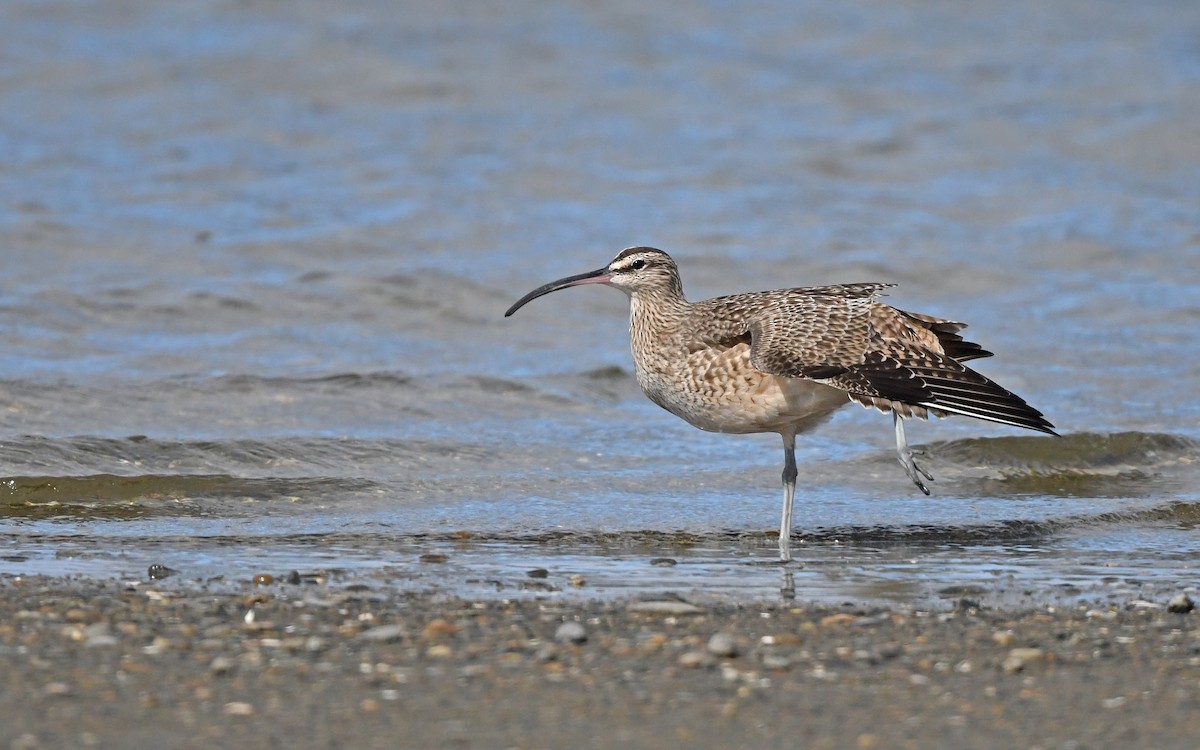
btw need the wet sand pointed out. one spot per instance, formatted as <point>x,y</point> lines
<point>110,663</point>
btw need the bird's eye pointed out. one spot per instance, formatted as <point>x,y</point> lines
<point>638,265</point>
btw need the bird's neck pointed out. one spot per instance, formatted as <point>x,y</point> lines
<point>659,310</point>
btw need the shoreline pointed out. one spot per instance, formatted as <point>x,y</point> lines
<point>106,663</point>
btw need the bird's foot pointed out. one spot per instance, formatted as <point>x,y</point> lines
<point>914,471</point>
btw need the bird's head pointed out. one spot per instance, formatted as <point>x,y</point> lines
<point>635,270</point>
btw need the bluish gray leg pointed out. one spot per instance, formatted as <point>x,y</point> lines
<point>789,495</point>
<point>906,457</point>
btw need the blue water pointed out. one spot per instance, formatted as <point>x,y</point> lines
<point>256,260</point>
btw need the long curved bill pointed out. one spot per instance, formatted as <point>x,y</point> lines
<point>599,276</point>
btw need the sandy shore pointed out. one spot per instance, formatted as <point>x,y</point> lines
<point>92,663</point>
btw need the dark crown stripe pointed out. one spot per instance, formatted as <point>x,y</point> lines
<point>637,251</point>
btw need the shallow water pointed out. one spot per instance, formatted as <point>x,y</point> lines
<point>257,257</point>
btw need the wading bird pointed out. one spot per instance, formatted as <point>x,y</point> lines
<point>783,361</point>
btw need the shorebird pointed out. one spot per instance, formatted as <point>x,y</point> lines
<point>783,361</point>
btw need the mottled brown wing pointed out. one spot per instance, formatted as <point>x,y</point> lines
<point>814,333</point>
<point>881,355</point>
<point>946,332</point>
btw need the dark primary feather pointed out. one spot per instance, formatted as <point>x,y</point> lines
<point>938,382</point>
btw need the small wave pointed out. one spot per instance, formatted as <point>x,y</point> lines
<point>349,380</point>
<point>1079,465</point>
<point>1175,514</point>
<point>116,497</point>
<point>1079,453</point>
<point>300,457</point>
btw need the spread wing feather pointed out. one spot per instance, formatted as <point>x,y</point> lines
<point>844,337</point>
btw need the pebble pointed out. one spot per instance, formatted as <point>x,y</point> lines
<point>1004,637</point>
<point>383,633</point>
<point>695,659</point>
<point>440,651</point>
<point>570,632</point>
<point>103,639</point>
<point>56,689</point>
<point>221,665</point>
<point>1019,657</point>
<point>538,573</point>
<point>239,709</point>
<point>1181,604</point>
<point>722,644</point>
<point>665,607</point>
<point>156,572</point>
<point>665,562</point>
<point>433,557</point>
<point>438,628</point>
<point>98,634</point>
<point>775,661</point>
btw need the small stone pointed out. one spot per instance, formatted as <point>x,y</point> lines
<point>221,665</point>
<point>665,607</point>
<point>264,579</point>
<point>98,634</point>
<point>1019,657</point>
<point>695,659</point>
<point>577,581</point>
<point>722,644</point>
<point>775,661</point>
<point>1004,637</point>
<point>25,742</point>
<point>438,628</point>
<point>383,633</point>
<point>433,557</point>
<point>77,615</point>
<point>239,709</point>
<point>100,640</point>
<point>570,632</point>
<point>157,571</point>
<point>1181,604</point>
<point>538,573</point>
<point>665,562</point>
<point>56,689</point>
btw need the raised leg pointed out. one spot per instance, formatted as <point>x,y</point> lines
<point>789,494</point>
<point>904,453</point>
